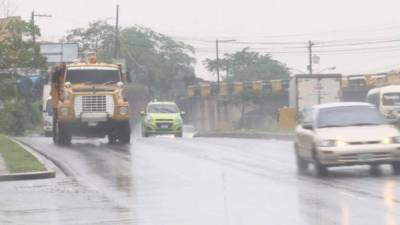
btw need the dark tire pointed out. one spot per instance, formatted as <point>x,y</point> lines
<point>112,139</point>
<point>145,135</point>
<point>62,136</point>
<point>320,169</point>
<point>396,167</point>
<point>179,135</point>
<point>302,165</point>
<point>124,134</point>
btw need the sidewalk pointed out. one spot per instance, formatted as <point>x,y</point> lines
<point>3,169</point>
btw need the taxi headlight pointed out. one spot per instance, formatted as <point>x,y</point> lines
<point>123,110</point>
<point>178,120</point>
<point>332,143</point>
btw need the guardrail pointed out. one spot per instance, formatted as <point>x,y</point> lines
<point>348,82</point>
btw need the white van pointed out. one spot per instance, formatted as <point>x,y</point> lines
<point>47,112</point>
<point>387,100</point>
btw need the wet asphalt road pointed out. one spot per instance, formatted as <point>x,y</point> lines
<point>167,181</point>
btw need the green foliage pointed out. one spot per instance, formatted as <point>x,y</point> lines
<point>15,50</point>
<point>157,61</point>
<point>245,65</point>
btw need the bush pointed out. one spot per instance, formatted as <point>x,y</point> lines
<point>18,116</point>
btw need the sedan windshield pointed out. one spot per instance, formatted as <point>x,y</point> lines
<point>92,76</point>
<point>162,108</point>
<point>348,116</point>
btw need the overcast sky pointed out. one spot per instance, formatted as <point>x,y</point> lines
<point>199,21</point>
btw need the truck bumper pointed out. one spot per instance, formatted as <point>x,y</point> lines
<point>94,129</point>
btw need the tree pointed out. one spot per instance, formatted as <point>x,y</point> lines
<point>245,65</point>
<point>163,65</point>
<point>15,50</point>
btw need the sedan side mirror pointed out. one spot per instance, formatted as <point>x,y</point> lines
<point>142,113</point>
<point>183,114</point>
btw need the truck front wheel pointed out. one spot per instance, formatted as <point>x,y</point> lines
<point>124,133</point>
<point>61,135</point>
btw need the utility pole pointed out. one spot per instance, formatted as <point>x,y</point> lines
<point>33,15</point>
<point>116,47</point>
<point>217,52</point>
<point>310,63</point>
<point>217,57</point>
<point>33,27</point>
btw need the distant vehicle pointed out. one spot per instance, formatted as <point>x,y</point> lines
<point>307,90</point>
<point>387,100</point>
<point>47,112</point>
<point>342,134</point>
<point>47,118</point>
<point>162,118</point>
<point>88,101</point>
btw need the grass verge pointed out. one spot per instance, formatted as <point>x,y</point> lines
<point>17,159</point>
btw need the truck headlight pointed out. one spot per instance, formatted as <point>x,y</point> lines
<point>332,143</point>
<point>123,110</point>
<point>64,111</point>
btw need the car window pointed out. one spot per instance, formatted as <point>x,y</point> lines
<point>348,116</point>
<point>162,108</point>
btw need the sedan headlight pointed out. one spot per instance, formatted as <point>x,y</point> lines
<point>332,143</point>
<point>178,119</point>
<point>149,119</point>
<point>391,140</point>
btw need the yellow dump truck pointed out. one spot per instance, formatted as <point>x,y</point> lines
<point>87,100</point>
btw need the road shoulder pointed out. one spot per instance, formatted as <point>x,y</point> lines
<point>21,163</point>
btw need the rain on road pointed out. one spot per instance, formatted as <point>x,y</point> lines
<point>221,181</point>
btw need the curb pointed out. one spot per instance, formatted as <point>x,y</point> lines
<point>49,173</point>
<point>268,136</point>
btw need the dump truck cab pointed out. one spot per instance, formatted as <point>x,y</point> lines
<point>88,101</point>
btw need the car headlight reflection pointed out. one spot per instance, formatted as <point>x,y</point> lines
<point>332,143</point>
<point>391,140</point>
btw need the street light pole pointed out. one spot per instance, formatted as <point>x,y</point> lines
<point>310,64</point>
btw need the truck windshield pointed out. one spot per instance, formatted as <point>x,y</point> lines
<point>348,116</point>
<point>93,76</point>
<point>391,99</point>
<point>162,108</point>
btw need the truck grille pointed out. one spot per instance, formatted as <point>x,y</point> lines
<point>94,104</point>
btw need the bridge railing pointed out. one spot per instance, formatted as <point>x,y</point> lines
<point>270,86</point>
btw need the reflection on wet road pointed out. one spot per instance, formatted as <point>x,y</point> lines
<point>195,181</point>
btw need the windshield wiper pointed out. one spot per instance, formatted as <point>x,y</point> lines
<point>326,126</point>
<point>364,124</point>
<point>109,82</point>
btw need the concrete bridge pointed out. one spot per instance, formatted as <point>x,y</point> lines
<point>207,110</point>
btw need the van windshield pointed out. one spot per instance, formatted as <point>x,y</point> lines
<point>92,76</point>
<point>391,99</point>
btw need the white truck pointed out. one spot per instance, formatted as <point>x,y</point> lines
<point>306,90</point>
<point>47,112</point>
